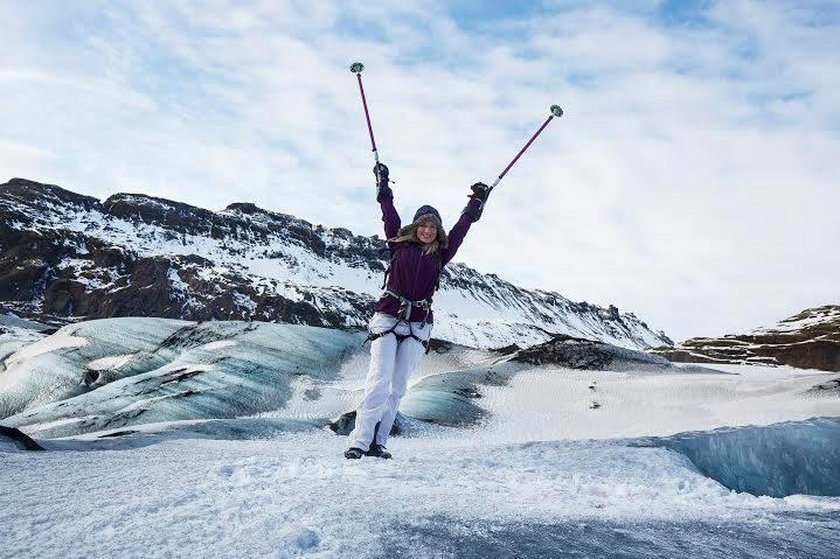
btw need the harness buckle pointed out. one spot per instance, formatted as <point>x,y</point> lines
<point>407,305</point>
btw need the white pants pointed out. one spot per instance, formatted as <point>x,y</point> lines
<point>391,364</point>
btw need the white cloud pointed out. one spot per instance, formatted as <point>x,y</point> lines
<point>692,179</point>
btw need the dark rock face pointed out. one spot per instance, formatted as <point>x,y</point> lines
<point>68,256</point>
<point>19,438</point>
<point>579,353</point>
<point>49,272</point>
<point>831,387</point>
<point>808,340</point>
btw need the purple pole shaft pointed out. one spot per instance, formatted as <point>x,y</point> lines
<point>367,114</point>
<point>518,155</point>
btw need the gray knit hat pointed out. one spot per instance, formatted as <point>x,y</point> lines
<point>427,213</point>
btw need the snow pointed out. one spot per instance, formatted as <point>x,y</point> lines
<point>181,289</point>
<point>110,362</point>
<point>245,302</point>
<point>210,439</point>
<point>88,273</point>
<point>811,318</point>
<point>555,403</point>
<point>295,496</point>
<point>47,345</point>
<point>221,344</point>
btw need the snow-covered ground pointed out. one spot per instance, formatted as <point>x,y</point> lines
<point>295,496</point>
<point>561,463</point>
<point>16,329</point>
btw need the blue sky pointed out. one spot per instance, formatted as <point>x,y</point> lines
<point>692,179</point>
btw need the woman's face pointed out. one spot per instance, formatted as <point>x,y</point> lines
<point>427,232</point>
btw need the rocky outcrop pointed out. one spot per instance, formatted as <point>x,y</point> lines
<point>579,353</point>
<point>808,340</point>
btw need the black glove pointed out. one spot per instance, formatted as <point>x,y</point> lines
<point>480,192</point>
<point>380,170</point>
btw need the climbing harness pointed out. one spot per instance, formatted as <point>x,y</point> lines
<point>400,337</point>
<point>406,306</point>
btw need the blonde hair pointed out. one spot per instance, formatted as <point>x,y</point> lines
<point>409,234</point>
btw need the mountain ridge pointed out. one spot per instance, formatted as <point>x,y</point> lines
<point>809,339</point>
<point>70,255</point>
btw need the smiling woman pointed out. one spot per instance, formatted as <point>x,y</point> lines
<point>402,324</point>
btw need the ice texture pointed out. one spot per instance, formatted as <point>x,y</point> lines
<point>119,372</point>
<point>296,495</point>
<point>778,460</point>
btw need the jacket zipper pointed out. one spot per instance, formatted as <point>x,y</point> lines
<point>414,285</point>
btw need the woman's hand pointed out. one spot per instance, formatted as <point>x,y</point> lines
<point>480,192</point>
<point>380,170</point>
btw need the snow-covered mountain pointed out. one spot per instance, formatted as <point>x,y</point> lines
<point>69,255</point>
<point>809,340</point>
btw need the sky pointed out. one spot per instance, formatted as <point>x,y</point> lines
<point>692,180</point>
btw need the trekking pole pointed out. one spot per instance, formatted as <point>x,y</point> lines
<point>556,111</point>
<point>357,68</point>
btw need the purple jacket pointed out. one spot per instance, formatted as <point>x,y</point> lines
<point>413,274</point>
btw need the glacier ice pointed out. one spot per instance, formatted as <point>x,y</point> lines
<point>789,458</point>
<point>111,373</point>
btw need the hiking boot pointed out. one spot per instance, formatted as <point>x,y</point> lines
<point>378,451</point>
<point>354,453</point>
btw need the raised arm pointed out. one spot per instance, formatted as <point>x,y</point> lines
<point>385,197</point>
<point>470,214</point>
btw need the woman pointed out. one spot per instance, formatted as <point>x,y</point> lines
<point>402,322</point>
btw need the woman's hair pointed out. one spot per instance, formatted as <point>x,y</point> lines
<point>409,234</point>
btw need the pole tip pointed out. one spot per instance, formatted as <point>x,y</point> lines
<point>357,67</point>
<point>556,110</point>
